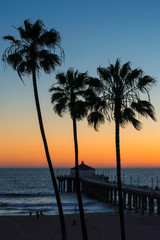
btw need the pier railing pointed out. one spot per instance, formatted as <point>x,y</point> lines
<point>137,199</point>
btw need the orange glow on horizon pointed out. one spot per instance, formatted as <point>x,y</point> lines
<point>25,148</point>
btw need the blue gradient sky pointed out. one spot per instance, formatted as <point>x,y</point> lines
<point>93,33</point>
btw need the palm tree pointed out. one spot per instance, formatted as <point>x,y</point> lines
<point>68,96</point>
<point>120,101</point>
<point>32,52</point>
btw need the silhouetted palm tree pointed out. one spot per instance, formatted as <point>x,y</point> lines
<point>120,100</point>
<point>32,52</point>
<point>68,96</point>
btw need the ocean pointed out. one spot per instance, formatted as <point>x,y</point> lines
<point>30,189</point>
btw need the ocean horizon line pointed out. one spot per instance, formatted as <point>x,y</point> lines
<point>68,167</point>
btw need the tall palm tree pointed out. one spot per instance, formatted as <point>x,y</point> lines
<point>32,52</point>
<point>120,100</point>
<point>68,96</point>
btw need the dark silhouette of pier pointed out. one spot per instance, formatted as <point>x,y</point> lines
<point>135,198</point>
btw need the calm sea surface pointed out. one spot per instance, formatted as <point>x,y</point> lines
<point>30,189</point>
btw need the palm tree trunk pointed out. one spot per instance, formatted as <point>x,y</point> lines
<point>63,227</point>
<point>79,197</point>
<point>121,212</point>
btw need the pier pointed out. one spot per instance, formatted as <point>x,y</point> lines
<point>137,199</point>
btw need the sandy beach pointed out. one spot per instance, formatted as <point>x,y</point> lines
<point>100,226</point>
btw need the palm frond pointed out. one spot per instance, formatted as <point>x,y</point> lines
<point>103,73</point>
<point>50,38</point>
<point>61,107</point>
<point>71,93</point>
<point>144,108</point>
<point>38,29</point>
<point>95,119</point>
<point>94,83</point>
<point>117,67</point>
<point>35,47</point>
<point>58,97</point>
<point>79,110</point>
<point>61,78</point>
<point>23,69</point>
<point>49,61</point>
<point>14,60</point>
<point>136,123</point>
<point>122,85</point>
<point>133,76</point>
<point>82,79</point>
<point>111,69</point>
<point>125,70</point>
<point>55,89</point>
<point>145,83</point>
<point>10,38</point>
<point>128,115</point>
<point>70,77</point>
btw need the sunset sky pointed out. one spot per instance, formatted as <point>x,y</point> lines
<point>94,33</point>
